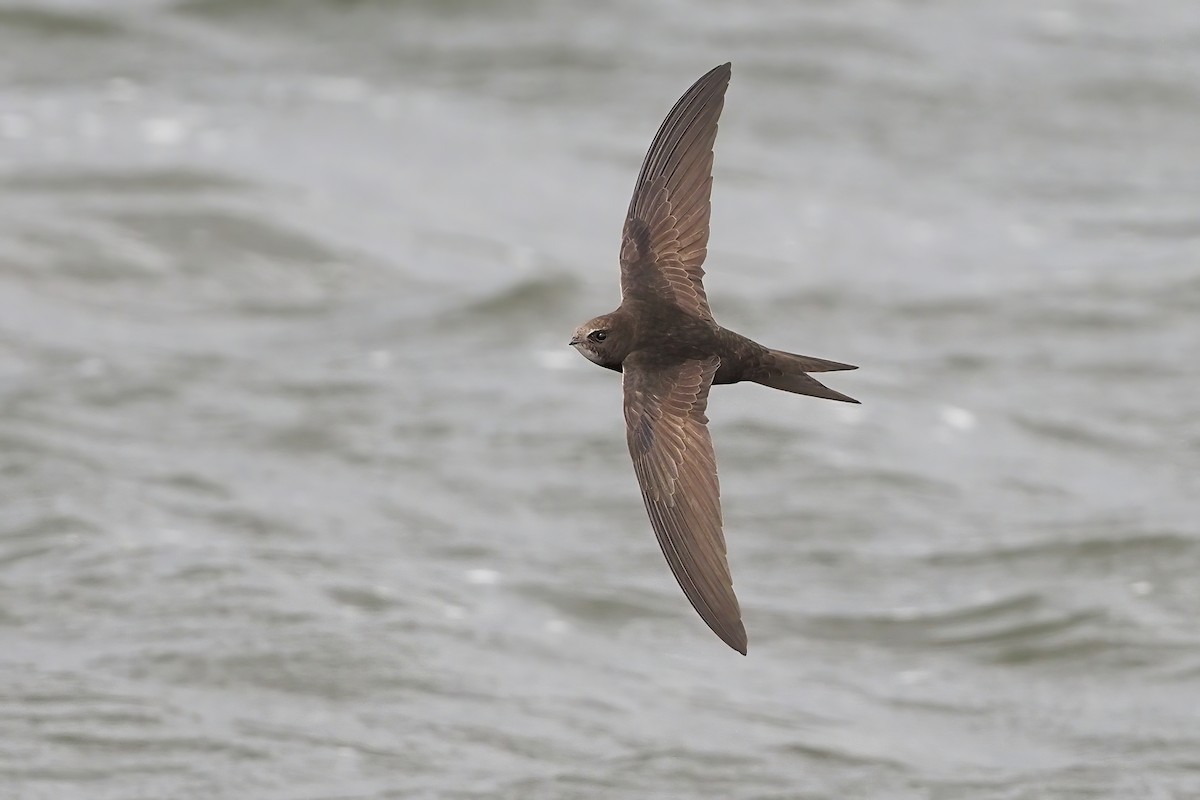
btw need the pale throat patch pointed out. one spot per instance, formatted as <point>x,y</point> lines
<point>589,354</point>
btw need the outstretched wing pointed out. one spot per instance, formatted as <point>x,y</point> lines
<point>666,230</point>
<point>677,470</point>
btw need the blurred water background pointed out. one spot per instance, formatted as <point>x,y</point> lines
<point>303,495</point>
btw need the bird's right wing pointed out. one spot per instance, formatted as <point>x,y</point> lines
<point>665,238</point>
<point>677,470</point>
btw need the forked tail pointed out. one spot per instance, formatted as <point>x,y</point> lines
<point>789,372</point>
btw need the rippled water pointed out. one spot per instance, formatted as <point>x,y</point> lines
<point>304,495</point>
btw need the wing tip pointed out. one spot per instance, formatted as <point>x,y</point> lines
<point>729,628</point>
<point>735,638</point>
<point>725,71</point>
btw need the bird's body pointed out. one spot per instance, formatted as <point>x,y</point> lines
<point>671,335</point>
<point>667,335</point>
<point>670,351</point>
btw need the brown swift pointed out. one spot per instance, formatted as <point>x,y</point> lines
<point>664,341</point>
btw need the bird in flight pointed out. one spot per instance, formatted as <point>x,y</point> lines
<point>669,349</point>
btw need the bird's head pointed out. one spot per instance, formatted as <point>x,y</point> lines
<point>601,340</point>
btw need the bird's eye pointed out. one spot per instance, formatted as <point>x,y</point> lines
<point>598,336</point>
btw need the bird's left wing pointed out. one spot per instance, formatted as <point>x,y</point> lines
<point>677,470</point>
<point>665,238</point>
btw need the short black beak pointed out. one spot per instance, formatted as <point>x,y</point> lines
<point>575,340</point>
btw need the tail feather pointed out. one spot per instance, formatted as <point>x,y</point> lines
<point>788,372</point>
<point>809,363</point>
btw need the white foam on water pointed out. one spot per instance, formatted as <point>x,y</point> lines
<point>164,131</point>
<point>959,419</point>
<point>482,577</point>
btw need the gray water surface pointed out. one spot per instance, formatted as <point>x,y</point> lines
<point>304,495</point>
